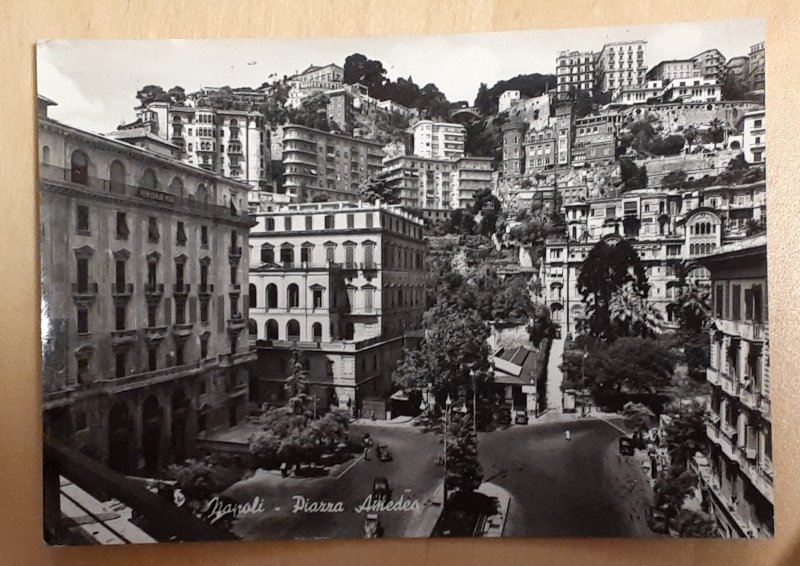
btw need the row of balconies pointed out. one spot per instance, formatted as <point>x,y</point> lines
<point>757,467</point>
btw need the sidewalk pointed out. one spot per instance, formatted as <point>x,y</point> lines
<point>424,521</point>
<point>494,525</point>
<point>402,421</point>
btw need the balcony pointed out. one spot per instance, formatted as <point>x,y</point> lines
<point>206,288</point>
<point>155,333</point>
<point>230,360</point>
<point>369,266</point>
<point>88,291</point>
<point>181,289</point>
<point>236,322</point>
<point>747,330</point>
<point>137,380</point>
<point>154,289</point>
<point>120,337</point>
<point>183,329</point>
<point>235,251</point>
<point>712,376</point>
<point>234,288</point>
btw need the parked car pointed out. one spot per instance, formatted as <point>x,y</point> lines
<point>657,520</point>
<point>381,490</point>
<point>626,446</point>
<point>503,416</point>
<point>521,417</point>
<point>372,526</point>
<point>383,454</point>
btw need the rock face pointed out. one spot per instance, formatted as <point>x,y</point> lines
<point>675,117</point>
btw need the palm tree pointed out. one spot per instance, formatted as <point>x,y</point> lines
<point>690,134</point>
<point>691,304</point>
<point>717,130</point>
<point>633,315</point>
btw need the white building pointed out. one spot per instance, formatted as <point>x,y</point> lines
<point>696,89</point>
<point>507,100</point>
<point>621,63</point>
<point>575,71</point>
<point>638,94</point>
<point>439,140</point>
<point>754,135</point>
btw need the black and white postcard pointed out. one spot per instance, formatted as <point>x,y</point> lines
<point>505,284</point>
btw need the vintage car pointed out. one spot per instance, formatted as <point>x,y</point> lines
<point>521,417</point>
<point>381,490</point>
<point>372,526</point>
<point>383,454</point>
<point>626,446</point>
<point>657,520</point>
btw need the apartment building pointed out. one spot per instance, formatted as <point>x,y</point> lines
<point>540,149</point>
<point>421,182</point>
<point>710,64</point>
<point>645,93</point>
<point>231,143</point>
<point>469,175</point>
<point>595,139</point>
<point>620,63</point>
<point>663,226</point>
<point>575,70</point>
<point>513,150</point>
<point>439,140</point>
<point>313,80</point>
<point>341,282</point>
<point>142,261</point>
<point>738,481</point>
<point>754,136</point>
<point>565,125</point>
<point>325,164</point>
<point>757,66</point>
<point>692,90</point>
<point>674,69</point>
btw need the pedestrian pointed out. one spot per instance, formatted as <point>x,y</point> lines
<point>366,453</point>
<point>567,435</point>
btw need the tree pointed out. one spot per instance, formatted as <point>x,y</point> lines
<point>483,100</point>
<point>152,93</point>
<point>733,87</point>
<point>197,479</point>
<point>432,103</point>
<point>464,471</point>
<point>633,315</point>
<point>488,207</point>
<point>716,131</point>
<point>607,269</point>
<point>690,307</point>
<point>296,385</point>
<point>694,524</point>
<point>674,179</point>
<point>672,489</point>
<point>638,416</point>
<point>632,365</point>
<point>690,135</point>
<point>633,177</point>
<point>686,434</point>
<point>368,72</point>
<point>378,188</point>
<point>178,95</point>
<point>541,325</point>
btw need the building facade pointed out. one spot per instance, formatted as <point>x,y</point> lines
<point>595,139</point>
<point>756,69</point>
<point>645,93</point>
<point>674,69</point>
<point>540,149</point>
<point>710,64</point>
<point>507,99</point>
<point>317,163</point>
<point>692,90</point>
<point>421,182</point>
<point>439,140</point>
<point>739,67</point>
<point>738,482</point>
<point>342,282</point>
<point>621,63</point>
<point>754,136</point>
<point>470,174</point>
<point>575,70</point>
<point>143,260</point>
<point>565,126</point>
<point>513,150</point>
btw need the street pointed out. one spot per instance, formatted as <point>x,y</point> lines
<point>580,487</point>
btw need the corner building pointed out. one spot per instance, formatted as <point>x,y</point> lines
<point>342,283</point>
<point>142,261</point>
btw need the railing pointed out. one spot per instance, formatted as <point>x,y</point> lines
<point>88,289</point>
<point>123,336</point>
<point>61,174</point>
<point>235,251</point>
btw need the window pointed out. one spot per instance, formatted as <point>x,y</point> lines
<point>293,296</point>
<point>82,218</point>
<point>329,222</point>
<point>330,253</point>
<point>272,296</point>
<point>293,331</point>
<point>309,222</point>
<point>317,298</point>
<point>757,156</point>
<point>204,236</point>
<point>83,320</point>
<point>305,254</point>
<point>152,358</point>
<point>349,256</point>
<point>316,332</point>
<point>351,221</point>
<point>736,302</point>
<point>287,254</point>
<point>83,370</point>
<point>369,220</point>
<point>119,364</point>
<point>287,223</point>
<point>203,311</point>
<point>272,329</point>
<point>83,274</point>
<point>369,256</point>
<point>267,254</point>
<point>180,236</point>
<point>180,311</point>
<point>269,224</point>
<point>79,171</point>
<point>152,229</point>
<point>349,331</point>
<point>122,226</point>
<point>351,297</point>
<point>119,317</point>
<point>368,300</point>
<point>149,180</point>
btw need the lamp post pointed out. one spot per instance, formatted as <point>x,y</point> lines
<point>447,404</point>
<point>583,384</point>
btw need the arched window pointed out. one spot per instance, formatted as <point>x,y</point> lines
<point>252,296</point>
<point>45,154</point>
<point>176,186</point>
<point>349,330</point>
<point>116,176</point>
<point>202,193</point>
<point>149,180</point>
<point>293,331</point>
<point>316,332</point>
<point>252,328</point>
<point>272,329</point>
<point>79,168</point>
<point>272,296</point>
<point>293,295</point>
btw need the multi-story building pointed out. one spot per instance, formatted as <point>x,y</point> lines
<point>595,139</point>
<point>692,90</point>
<point>513,152</point>
<point>142,261</point>
<point>754,136</point>
<point>540,149</point>
<point>392,106</point>
<point>317,163</point>
<point>232,143</point>
<point>565,124</point>
<point>312,81</point>
<point>342,283</point>
<point>647,92</point>
<point>738,482</point>
<point>439,140</point>
<point>507,100</point>
<point>710,64</point>
<point>620,63</point>
<point>421,182</point>
<point>663,226</point>
<point>340,109</point>
<point>757,67</point>
<point>575,70</point>
<point>469,175</point>
<point>673,69</point>
<point>739,67</point>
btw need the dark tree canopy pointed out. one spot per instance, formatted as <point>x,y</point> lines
<point>378,187</point>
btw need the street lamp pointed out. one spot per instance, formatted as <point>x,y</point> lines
<point>583,384</point>
<point>447,404</point>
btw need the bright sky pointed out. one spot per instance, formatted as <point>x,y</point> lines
<point>94,82</point>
